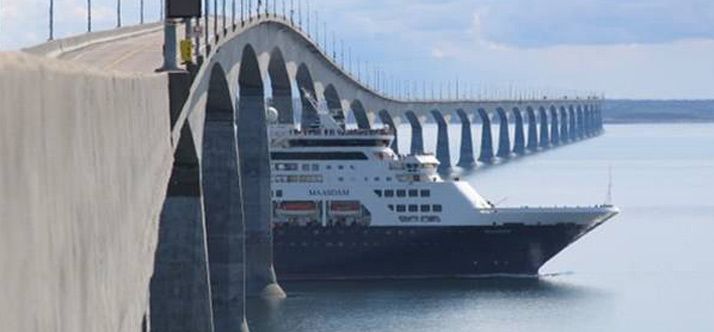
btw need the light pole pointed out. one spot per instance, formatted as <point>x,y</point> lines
<point>89,15</point>
<point>52,20</point>
<point>118,13</point>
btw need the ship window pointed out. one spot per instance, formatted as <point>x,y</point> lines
<point>425,208</point>
<point>413,193</point>
<point>437,208</point>
<point>376,178</point>
<point>389,179</point>
<point>391,207</point>
<point>389,193</point>
<point>340,167</point>
<point>401,208</point>
<point>413,208</point>
<point>425,193</point>
<point>378,192</point>
<point>278,193</point>
<point>329,167</point>
<point>286,167</point>
<point>340,179</point>
<point>306,167</point>
<point>401,193</point>
<point>352,167</point>
<point>315,167</point>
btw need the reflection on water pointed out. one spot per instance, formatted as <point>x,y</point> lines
<point>429,305</point>
<point>649,269</point>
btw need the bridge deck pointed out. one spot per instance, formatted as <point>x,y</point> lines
<point>136,54</point>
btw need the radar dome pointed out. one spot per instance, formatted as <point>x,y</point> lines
<point>271,115</point>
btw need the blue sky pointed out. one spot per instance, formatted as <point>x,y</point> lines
<point>659,49</point>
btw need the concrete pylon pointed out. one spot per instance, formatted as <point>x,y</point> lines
<point>180,296</point>
<point>519,146</point>
<point>254,156</point>
<point>504,140</point>
<point>554,127</point>
<point>563,125</point>
<point>417,145</point>
<point>572,131</point>
<point>442,140</point>
<point>388,120</point>
<point>466,156</point>
<point>544,138</point>
<point>486,154</point>
<point>579,123</point>
<point>532,130</point>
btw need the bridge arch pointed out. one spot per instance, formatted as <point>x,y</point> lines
<point>544,135</point>
<point>253,153</point>
<point>554,126</point>
<point>282,89</point>
<point>417,141</point>
<point>360,114</point>
<point>387,119</point>
<point>334,105</point>
<point>532,129</point>
<point>466,155</point>
<point>504,140</point>
<point>443,153</point>
<point>223,205</point>
<point>519,146</point>
<point>306,84</point>
<point>563,124</point>
<point>486,154</point>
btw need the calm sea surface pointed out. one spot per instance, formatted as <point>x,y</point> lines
<point>649,269</point>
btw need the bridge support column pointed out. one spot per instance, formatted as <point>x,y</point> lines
<point>388,120</point>
<point>417,145</point>
<point>442,142</point>
<point>554,128</point>
<point>579,123</point>
<point>466,156</point>
<point>180,297</point>
<point>504,140</point>
<point>563,125</point>
<point>486,154</point>
<point>572,130</point>
<point>544,138</point>
<point>532,130</point>
<point>520,140</point>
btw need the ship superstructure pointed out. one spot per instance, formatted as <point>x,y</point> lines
<point>346,206</point>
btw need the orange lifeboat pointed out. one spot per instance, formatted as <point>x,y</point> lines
<point>297,208</point>
<point>345,208</point>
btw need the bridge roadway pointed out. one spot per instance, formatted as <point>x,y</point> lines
<point>145,198</point>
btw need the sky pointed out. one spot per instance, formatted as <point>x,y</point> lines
<point>635,49</point>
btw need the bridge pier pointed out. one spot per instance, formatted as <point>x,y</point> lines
<point>579,122</point>
<point>417,144</point>
<point>486,154</point>
<point>532,130</point>
<point>223,207</point>
<point>554,128</point>
<point>254,156</point>
<point>563,125</point>
<point>520,140</point>
<point>388,120</point>
<point>180,295</point>
<point>504,140</point>
<point>544,138</point>
<point>572,130</point>
<point>466,156</point>
<point>442,141</point>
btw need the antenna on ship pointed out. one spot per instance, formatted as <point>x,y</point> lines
<point>608,198</point>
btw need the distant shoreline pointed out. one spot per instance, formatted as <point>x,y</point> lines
<point>658,111</point>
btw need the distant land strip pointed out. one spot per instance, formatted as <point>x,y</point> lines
<point>658,111</point>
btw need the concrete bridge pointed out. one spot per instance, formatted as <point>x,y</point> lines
<point>133,199</point>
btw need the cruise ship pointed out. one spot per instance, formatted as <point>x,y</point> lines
<point>345,206</point>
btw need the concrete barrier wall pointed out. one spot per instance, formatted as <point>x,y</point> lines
<point>85,158</point>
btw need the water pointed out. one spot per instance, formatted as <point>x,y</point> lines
<point>649,269</point>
